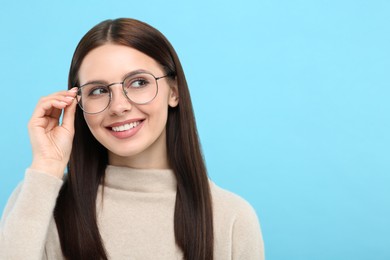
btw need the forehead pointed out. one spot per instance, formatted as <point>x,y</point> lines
<point>110,62</point>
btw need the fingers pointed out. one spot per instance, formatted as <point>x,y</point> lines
<point>52,105</point>
<point>48,110</point>
<point>68,117</point>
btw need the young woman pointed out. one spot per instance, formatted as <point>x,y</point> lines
<point>136,185</point>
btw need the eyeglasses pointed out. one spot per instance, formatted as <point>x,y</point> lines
<point>139,88</point>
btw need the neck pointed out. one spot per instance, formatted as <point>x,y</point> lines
<point>140,180</point>
<point>148,159</point>
<point>142,162</point>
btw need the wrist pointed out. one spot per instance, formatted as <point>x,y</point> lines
<point>49,166</point>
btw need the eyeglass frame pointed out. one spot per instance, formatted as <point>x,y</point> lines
<point>79,88</point>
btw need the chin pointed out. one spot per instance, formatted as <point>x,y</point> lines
<point>124,153</point>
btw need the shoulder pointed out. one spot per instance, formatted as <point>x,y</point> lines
<point>229,202</point>
<point>233,210</point>
<point>237,227</point>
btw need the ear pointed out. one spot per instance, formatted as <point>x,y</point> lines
<point>173,96</point>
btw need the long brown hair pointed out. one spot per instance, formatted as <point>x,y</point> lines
<point>75,212</point>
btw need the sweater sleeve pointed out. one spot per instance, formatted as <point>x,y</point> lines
<point>247,237</point>
<point>25,221</point>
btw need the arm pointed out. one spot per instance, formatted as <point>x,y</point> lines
<point>26,218</point>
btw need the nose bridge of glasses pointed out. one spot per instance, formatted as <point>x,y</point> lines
<point>120,93</point>
<point>116,83</point>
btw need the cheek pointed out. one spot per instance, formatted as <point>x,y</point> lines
<point>158,113</point>
<point>93,121</point>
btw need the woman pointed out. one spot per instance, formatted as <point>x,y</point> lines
<point>136,185</point>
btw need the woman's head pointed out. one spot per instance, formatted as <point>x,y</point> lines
<point>129,45</point>
<point>134,93</point>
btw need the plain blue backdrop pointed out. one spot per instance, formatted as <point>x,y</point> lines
<point>292,102</point>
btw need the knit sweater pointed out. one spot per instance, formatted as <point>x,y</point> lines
<point>135,218</point>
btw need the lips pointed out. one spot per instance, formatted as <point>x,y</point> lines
<point>125,129</point>
<point>125,126</point>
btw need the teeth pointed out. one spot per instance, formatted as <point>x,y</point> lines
<point>125,127</point>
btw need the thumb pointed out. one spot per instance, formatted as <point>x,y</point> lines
<point>69,115</point>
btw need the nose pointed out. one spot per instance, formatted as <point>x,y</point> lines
<point>119,102</point>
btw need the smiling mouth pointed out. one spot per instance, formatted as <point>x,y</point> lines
<point>126,127</point>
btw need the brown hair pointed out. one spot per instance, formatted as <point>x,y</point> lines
<point>75,212</point>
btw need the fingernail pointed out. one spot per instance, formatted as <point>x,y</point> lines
<point>73,89</point>
<point>71,98</point>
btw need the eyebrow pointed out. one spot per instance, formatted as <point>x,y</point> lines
<point>104,82</point>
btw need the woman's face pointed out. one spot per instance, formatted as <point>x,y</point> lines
<point>134,134</point>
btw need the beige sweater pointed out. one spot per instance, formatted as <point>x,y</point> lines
<point>135,219</point>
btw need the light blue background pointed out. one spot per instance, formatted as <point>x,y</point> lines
<point>291,99</point>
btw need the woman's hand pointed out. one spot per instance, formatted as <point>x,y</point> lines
<point>52,142</point>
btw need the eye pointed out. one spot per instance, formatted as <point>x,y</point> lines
<point>139,83</point>
<point>97,91</point>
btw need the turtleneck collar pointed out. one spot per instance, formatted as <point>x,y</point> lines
<point>140,180</point>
